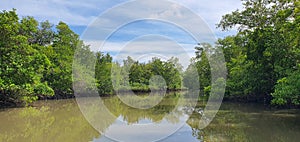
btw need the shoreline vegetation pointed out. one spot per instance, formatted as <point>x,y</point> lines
<point>262,59</point>
<point>137,92</point>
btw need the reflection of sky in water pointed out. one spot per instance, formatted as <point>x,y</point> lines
<point>133,124</point>
<point>183,134</point>
<point>142,121</point>
<point>145,129</point>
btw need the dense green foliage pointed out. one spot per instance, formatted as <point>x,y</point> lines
<point>36,62</point>
<point>263,57</point>
<point>136,76</point>
<point>103,73</point>
<point>36,59</point>
<point>22,65</point>
<point>199,70</point>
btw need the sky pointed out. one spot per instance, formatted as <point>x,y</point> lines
<point>117,27</point>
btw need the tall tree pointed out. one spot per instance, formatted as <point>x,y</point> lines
<point>267,48</point>
<point>22,66</point>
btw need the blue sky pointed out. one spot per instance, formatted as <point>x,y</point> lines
<point>79,14</point>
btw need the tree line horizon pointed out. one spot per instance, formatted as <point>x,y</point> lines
<point>262,59</point>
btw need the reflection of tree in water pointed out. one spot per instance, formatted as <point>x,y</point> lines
<point>62,122</point>
<point>246,122</point>
<point>134,115</point>
<point>228,125</point>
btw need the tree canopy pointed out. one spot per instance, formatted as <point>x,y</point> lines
<point>262,59</point>
<point>36,62</point>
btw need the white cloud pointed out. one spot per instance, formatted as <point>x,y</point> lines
<point>130,12</point>
<point>78,12</point>
<point>68,11</point>
<point>213,10</point>
<point>145,44</point>
<point>144,48</point>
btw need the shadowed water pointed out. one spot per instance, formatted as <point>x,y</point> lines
<point>61,120</point>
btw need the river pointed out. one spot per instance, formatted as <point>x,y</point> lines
<point>62,121</point>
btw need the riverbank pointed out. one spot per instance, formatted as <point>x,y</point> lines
<point>61,96</point>
<point>266,101</point>
<point>243,100</point>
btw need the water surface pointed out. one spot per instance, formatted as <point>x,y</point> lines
<point>61,120</point>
